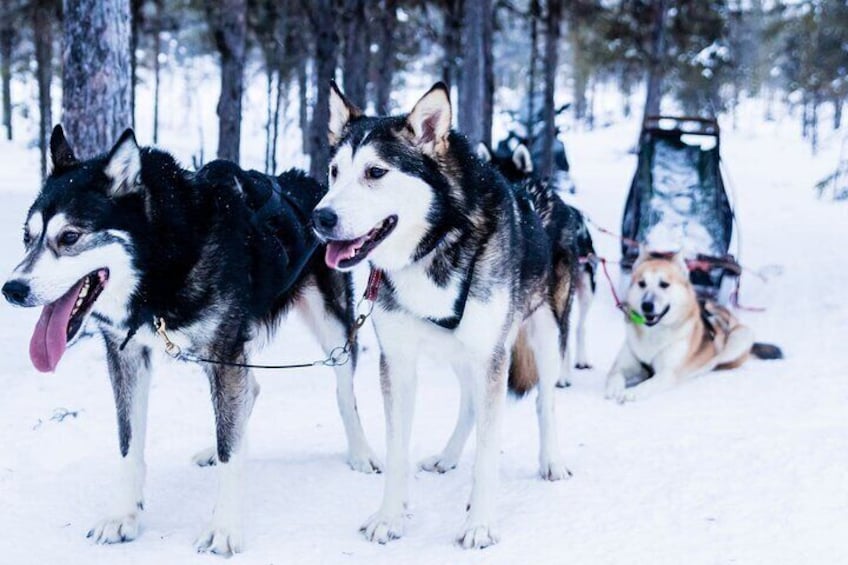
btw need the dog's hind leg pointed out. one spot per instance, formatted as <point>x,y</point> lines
<point>449,457</point>
<point>234,392</point>
<point>585,295</point>
<point>331,332</point>
<point>563,298</point>
<point>129,371</point>
<point>542,325</point>
<point>487,379</point>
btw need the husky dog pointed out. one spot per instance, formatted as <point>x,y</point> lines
<point>569,231</point>
<point>466,268</point>
<point>670,337</point>
<point>219,256</point>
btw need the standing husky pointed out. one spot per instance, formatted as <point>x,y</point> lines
<point>129,238</point>
<point>466,266</point>
<point>569,232</point>
<point>670,337</point>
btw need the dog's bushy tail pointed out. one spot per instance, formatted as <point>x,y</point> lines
<point>766,351</point>
<point>523,372</point>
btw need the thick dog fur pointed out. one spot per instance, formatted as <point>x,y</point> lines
<point>569,233</point>
<point>202,252</point>
<point>467,268</point>
<point>680,339</point>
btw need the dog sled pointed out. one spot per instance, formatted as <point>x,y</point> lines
<point>678,203</point>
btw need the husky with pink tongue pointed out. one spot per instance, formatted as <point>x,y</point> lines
<point>468,270</point>
<point>128,240</point>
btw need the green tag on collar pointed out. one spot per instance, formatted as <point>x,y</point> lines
<point>636,317</point>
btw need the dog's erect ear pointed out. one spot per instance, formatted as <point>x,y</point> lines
<point>522,159</point>
<point>679,259</point>
<point>60,150</point>
<point>342,111</point>
<point>123,166</point>
<point>430,119</point>
<point>644,255</point>
<point>483,153</point>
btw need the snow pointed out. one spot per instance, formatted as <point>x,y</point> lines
<point>747,466</point>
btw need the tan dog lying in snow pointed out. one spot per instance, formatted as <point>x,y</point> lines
<point>670,337</point>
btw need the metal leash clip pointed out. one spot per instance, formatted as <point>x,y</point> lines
<point>171,348</point>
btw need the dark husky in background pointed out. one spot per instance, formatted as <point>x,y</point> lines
<point>567,228</point>
<point>467,270</point>
<point>219,255</point>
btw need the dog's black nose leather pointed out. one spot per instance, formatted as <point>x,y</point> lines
<point>324,219</point>
<point>16,292</point>
<point>648,307</point>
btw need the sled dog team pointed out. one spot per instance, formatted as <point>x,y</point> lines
<point>476,257</point>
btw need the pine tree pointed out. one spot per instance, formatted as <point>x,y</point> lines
<point>228,24</point>
<point>96,77</point>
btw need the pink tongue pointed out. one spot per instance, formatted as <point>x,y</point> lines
<point>50,337</point>
<point>338,251</point>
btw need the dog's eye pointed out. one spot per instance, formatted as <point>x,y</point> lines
<point>334,171</point>
<point>663,284</point>
<point>642,284</point>
<point>68,238</point>
<point>375,172</point>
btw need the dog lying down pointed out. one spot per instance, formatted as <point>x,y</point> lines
<point>671,337</point>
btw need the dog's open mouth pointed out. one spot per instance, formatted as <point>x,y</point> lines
<point>61,320</point>
<point>347,253</point>
<point>654,319</point>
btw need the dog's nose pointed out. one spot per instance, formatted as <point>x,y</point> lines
<point>16,292</point>
<point>648,307</point>
<point>325,219</point>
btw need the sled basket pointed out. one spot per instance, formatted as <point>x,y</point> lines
<point>677,201</point>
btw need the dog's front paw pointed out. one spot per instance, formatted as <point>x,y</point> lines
<point>616,387</point>
<point>582,366</point>
<point>438,464</point>
<point>115,530</point>
<point>364,461</point>
<point>554,471</point>
<point>206,457</point>
<point>382,528</point>
<point>219,540</point>
<point>478,536</point>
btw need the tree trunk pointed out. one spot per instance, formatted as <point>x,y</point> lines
<point>837,112</point>
<point>7,44</point>
<point>323,20</point>
<point>472,84</point>
<point>452,42</point>
<point>136,7</point>
<point>655,69</point>
<point>386,57</point>
<point>531,75</point>
<point>228,22</point>
<point>96,75</point>
<point>303,100</point>
<point>356,51</point>
<point>276,129</point>
<point>157,74</point>
<point>551,62</point>
<point>488,77</point>
<point>42,26</point>
<point>269,114</point>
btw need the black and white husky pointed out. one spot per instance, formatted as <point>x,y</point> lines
<point>219,255</point>
<point>567,227</point>
<point>466,268</point>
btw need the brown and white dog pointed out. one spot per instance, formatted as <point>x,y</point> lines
<point>671,337</point>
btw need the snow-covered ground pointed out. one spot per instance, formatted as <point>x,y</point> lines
<point>747,466</point>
